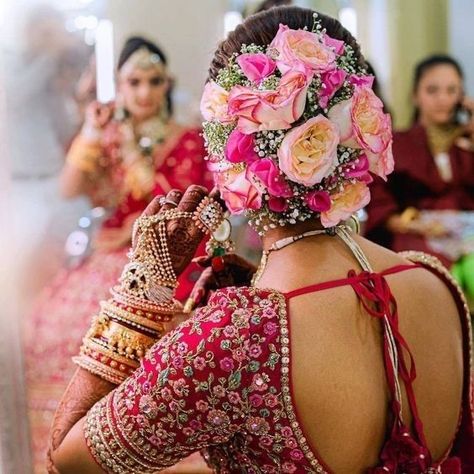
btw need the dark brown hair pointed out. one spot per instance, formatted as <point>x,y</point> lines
<point>267,4</point>
<point>261,28</point>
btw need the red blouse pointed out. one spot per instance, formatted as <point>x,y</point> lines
<point>178,166</point>
<point>221,383</point>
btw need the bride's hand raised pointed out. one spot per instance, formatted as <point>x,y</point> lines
<point>184,232</point>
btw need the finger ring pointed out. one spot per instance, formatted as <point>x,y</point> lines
<point>189,305</point>
<point>162,200</point>
<point>170,202</point>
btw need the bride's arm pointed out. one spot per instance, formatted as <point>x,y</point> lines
<point>121,333</point>
<point>83,391</point>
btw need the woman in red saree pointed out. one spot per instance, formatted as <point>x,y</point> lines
<point>311,368</point>
<point>124,156</point>
<point>434,164</point>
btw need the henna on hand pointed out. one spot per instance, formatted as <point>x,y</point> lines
<point>183,235</point>
<point>236,272</point>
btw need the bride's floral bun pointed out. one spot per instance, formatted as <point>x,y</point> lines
<point>292,126</point>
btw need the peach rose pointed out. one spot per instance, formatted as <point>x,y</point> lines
<point>302,50</point>
<point>308,153</point>
<point>214,103</point>
<point>381,164</point>
<point>352,198</point>
<point>362,122</point>
<point>269,110</point>
<point>238,192</point>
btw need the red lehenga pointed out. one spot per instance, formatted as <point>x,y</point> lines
<point>221,383</point>
<point>54,329</point>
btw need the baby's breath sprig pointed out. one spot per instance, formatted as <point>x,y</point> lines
<point>316,28</point>
<point>252,49</point>
<point>231,75</point>
<point>215,136</point>
<point>270,83</point>
<point>348,62</point>
<point>312,107</point>
<point>268,142</point>
<point>344,93</point>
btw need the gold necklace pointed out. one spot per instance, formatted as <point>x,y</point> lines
<point>282,243</point>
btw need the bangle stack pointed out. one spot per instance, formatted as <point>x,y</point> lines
<point>134,318</point>
<point>121,334</point>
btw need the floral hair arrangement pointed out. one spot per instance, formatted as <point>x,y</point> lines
<point>293,130</point>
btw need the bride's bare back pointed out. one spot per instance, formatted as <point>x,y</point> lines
<point>338,374</point>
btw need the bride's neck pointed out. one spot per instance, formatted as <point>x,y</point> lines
<point>273,235</point>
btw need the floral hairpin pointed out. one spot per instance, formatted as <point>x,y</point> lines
<point>293,130</point>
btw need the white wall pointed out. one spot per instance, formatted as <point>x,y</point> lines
<point>188,31</point>
<point>461,38</point>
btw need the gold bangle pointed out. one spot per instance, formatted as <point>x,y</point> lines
<point>84,155</point>
<point>141,322</point>
<point>113,376</point>
<point>91,346</point>
<point>164,309</point>
<point>188,305</point>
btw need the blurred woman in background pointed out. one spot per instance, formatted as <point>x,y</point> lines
<point>125,154</point>
<point>434,171</point>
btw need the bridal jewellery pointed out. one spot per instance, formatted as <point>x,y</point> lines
<point>130,322</point>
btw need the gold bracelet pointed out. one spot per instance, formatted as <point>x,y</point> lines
<point>84,155</point>
<point>111,375</point>
<point>163,311</point>
<point>127,316</point>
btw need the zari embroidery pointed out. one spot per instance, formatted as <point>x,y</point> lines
<point>214,383</point>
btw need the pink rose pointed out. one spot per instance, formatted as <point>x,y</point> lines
<point>302,50</point>
<point>269,175</point>
<point>256,66</point>
<point>308,153</point>
<point>352,198</point>
<point>240,148</point>
<point>383,163</point>
<point>361,81</point>
<point>335,44</point>
<point>331,82</point>
<point>357,168</point>
<point>214,103</point>
<point>277,204</point>
<point>269,110</point>
<point>318,201</point>
<point>238,193</point>
<point>362,122</point>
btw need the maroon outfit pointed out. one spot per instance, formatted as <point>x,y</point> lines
<point>417,183</point>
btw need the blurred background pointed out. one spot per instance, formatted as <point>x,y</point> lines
<point>47,80</point>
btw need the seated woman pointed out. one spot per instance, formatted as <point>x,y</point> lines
<point>312,367</point>
<point>418,207</point>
